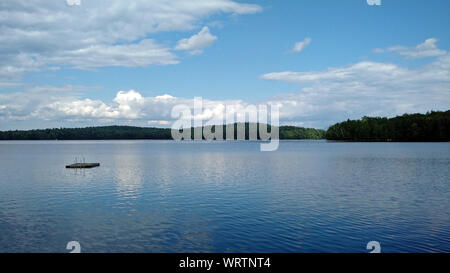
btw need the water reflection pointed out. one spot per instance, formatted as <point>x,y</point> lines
<point>126,166</point>
<point>155,196</point>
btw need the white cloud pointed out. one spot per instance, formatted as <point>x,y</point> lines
<point>146,52</point>
<point>42,34</point>
<point>424,50</point>
<point>299,46</point>
<point>325,97</point>
<point>56,103</point>
<point>330,96</point>
<point>365,88</point>
<point>158,122</point>
<point>197,42</point>
<point>375,72</point>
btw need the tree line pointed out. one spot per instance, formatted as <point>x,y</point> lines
<point>131,132</point>
<point>432,126</point>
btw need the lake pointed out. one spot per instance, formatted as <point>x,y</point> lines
<point>166,196</point>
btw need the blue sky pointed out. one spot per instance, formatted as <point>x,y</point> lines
<point>68,67</point>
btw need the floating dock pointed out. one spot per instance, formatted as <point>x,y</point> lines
<point>82,165</point>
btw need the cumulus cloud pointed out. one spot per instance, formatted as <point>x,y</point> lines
<point>325,97</point>
<point>333,95</point>
<point>423,50</point>
<point>35,102</point>
<point>49,103</point>
<point>299,46</point>
<point>42,34</point>
<point>366,88</point>
<point>196,43</point>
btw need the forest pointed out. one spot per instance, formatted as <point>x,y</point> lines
<point>432,126</point>
<point>130,132</point>
<point>429,127</point>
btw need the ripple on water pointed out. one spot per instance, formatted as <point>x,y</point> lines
<point>160,196</point>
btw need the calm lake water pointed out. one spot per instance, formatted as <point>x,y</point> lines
<point>164,196</point>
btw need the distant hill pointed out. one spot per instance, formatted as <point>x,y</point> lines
<point>433,126</point>
<point>130,132</point>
